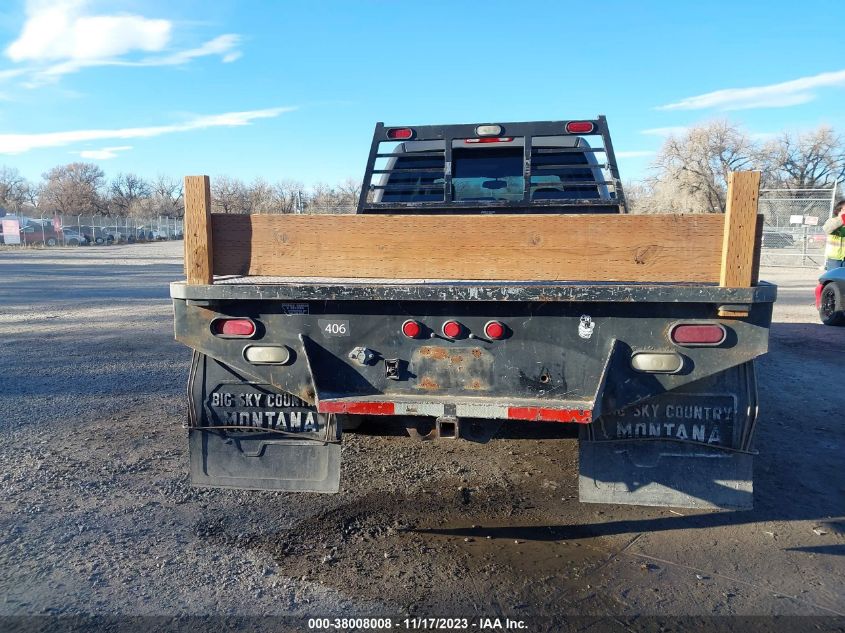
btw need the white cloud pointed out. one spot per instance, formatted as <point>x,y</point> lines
<point>59,37</point>
<point>676,130</point>
<point>222,45</point>
<point>634,153</point>
<point>60,30</point>
<point>103,153</point>
<point>19,143</point>
<point>784,94</point>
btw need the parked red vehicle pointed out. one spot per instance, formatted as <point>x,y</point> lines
<point>36,233</point>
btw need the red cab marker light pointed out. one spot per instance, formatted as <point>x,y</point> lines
<point>489,139</point>
<point>695,334</point>
<point>452,329</point>
<point>579,127</point>
<point>400,133</point>
<point>495,330</point>
<point>411,328</point>
<point>233,327</point>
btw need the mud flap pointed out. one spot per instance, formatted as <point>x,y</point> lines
<point>249,435</point>
<point>665,474</point>
<point>258,461</point>
<point>689,448</point>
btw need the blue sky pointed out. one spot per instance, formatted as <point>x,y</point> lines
<point>292,89</point>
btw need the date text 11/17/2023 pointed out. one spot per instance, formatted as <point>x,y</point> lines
<point>418,624</point>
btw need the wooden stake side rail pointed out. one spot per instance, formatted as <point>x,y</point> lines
<point>699,248</point>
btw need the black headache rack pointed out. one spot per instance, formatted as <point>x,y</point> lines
<point>560,171</point>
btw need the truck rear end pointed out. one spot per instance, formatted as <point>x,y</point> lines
<point>490,277</point>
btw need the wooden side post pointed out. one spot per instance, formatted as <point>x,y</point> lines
<point>198,248</point>
<point>740,237</point>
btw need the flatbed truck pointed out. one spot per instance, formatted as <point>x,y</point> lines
<point>490,276</point>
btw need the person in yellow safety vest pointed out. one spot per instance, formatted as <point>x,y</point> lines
<point>834,251</point>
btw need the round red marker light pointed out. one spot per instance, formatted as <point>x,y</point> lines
<point>452,329</point>
<point>411,328</point>
<point>495,330</point>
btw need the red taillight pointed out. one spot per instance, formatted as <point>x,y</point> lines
<point>495,330</point>
<point>452,329</point>
<point>400,133</point>
<point>698,334</point>
<point>411,328</point>
<point>490,139</point>
<point>233,327</point>
<point>579,127</point>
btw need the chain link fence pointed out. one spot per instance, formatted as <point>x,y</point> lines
<point>86,230</point>
<point>792,231</point>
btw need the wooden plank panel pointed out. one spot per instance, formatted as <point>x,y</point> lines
<point>738,243</point>
<point>198,241</point>
<point>646,248</point>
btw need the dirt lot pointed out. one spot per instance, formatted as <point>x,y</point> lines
<point>98,517</point>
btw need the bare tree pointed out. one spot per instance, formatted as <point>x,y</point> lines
<point>348,192</point>
<point>289,195</point>
<point>74,189</point>
<point>803,161</point>
<point>261,197</point>
<point>15,190</point>
<point>229,195</point>
<point>694,167</point>
<point>323,198</point>
<point>126,189</point>
<point>142,208</point>
<point>168,196</point>
<point>638,196</point>
<point>33,194</point>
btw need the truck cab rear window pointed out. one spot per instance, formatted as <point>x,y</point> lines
<point>495,173</point>
<point>487,174</point>
<point>553,172</point>
<point>415,179</point>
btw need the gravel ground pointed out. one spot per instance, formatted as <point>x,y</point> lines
<point>97,516</point>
